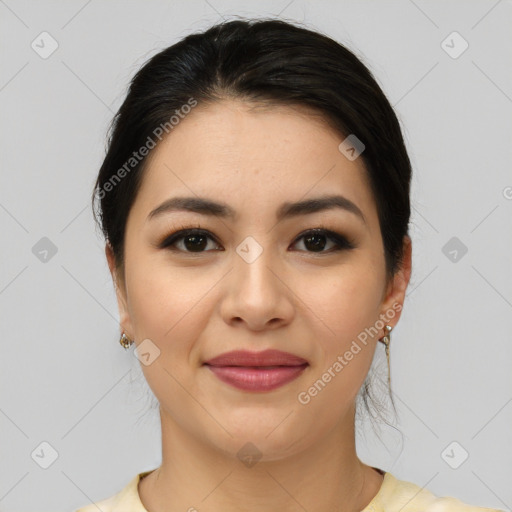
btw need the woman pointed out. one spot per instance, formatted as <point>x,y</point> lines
<point>255,203</point>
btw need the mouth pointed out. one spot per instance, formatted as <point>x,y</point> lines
<point>257,371</point>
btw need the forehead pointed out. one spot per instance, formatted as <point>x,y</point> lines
<point>253,158</point>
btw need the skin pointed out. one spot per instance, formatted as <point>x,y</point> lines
<point>196,305</point>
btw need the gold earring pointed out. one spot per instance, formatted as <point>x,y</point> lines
<point>125,341</point>
<point>386,339</point>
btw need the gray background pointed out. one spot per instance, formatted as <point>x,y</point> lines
<point>64,378</point>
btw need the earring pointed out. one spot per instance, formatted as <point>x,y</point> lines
<point>125,341</point>
<point>386,339</point>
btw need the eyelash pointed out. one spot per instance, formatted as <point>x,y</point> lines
<point>342,243</point>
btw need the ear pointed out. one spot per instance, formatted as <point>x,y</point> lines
<point>124,315</point>
<point>395,293</point>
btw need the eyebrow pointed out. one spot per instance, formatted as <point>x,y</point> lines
<point>287,210</point>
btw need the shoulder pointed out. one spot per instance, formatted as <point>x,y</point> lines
<point>399,495</point>
<point>127,499</point>
<point>450,504</point>
<point>394,496</point>
<point>106,505</point>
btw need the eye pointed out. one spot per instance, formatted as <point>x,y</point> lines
<point>315,239</point>
<point>195,240</point>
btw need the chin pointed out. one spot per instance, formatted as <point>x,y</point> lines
<point>255,441</point>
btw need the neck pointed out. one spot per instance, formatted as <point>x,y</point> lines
<point>194,475</point>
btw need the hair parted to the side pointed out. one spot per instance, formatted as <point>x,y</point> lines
<point>262,61</point>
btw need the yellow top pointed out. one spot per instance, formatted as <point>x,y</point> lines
<point>394,496</point>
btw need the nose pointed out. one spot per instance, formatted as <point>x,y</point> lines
<point>257,293</point>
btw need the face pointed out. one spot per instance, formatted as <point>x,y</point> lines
<point>257,279</point>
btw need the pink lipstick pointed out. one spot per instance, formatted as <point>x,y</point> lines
<point>257,371</point>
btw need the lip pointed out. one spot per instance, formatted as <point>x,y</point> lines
<point>257,371</point>
<point>264,358</point>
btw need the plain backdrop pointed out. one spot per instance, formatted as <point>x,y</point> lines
<point>76,416</point>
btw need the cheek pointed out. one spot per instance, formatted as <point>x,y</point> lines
<point>170,307</point>
<point>165,302</point>
<point>166,308</point>
<point>346,300</point>
<point>345,352</point>
<point>343,308</point>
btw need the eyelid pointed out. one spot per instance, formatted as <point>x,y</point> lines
<point>343,242</point>
<point>182,231</point>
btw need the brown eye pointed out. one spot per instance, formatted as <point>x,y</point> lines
<point>193,240</point>
<point>196,241</point>
<point>315,240</point>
